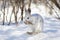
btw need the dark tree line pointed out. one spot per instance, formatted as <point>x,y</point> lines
<point>20,4</point>
<point>16,5</point>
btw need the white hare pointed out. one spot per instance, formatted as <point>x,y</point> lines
<point>34,21</point>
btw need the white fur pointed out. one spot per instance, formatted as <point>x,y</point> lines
<point>36,20</point>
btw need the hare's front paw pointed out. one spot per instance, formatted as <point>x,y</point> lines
<point>37,32</point>
<point>30,33</point>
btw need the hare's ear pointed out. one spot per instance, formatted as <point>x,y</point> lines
<point>29,10</point>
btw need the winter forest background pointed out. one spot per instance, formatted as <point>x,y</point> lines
<point>12,13</point>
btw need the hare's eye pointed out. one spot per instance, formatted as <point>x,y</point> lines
<point>27,17</point>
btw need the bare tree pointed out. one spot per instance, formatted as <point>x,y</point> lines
<point>22,9</point>
<point>56,3</point>
<point>4,4</point>
<point>8,4</point>
<point>14,10</point>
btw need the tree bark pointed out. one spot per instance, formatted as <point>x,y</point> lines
<point>55,1</point>
<point>4,3</point>
<point>22,9</point>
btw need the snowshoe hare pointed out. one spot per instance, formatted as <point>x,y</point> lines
<point>34,21</point>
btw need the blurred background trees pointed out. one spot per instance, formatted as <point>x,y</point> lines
<point>19,5</point>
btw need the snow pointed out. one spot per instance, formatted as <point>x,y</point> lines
<point>51,29</point>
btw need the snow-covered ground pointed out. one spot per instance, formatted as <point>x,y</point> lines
<point>51,29</point>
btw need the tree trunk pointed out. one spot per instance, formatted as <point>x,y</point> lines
<point>17,9</point>
<point>4,3</point>
<point>7,12</point>
<point>22,9</point>
<point>16,19</point>
<point>22,14</point>
<point>3,14</point>
<point>55,1</point>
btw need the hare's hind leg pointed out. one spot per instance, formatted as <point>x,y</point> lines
<point>39,26</point>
